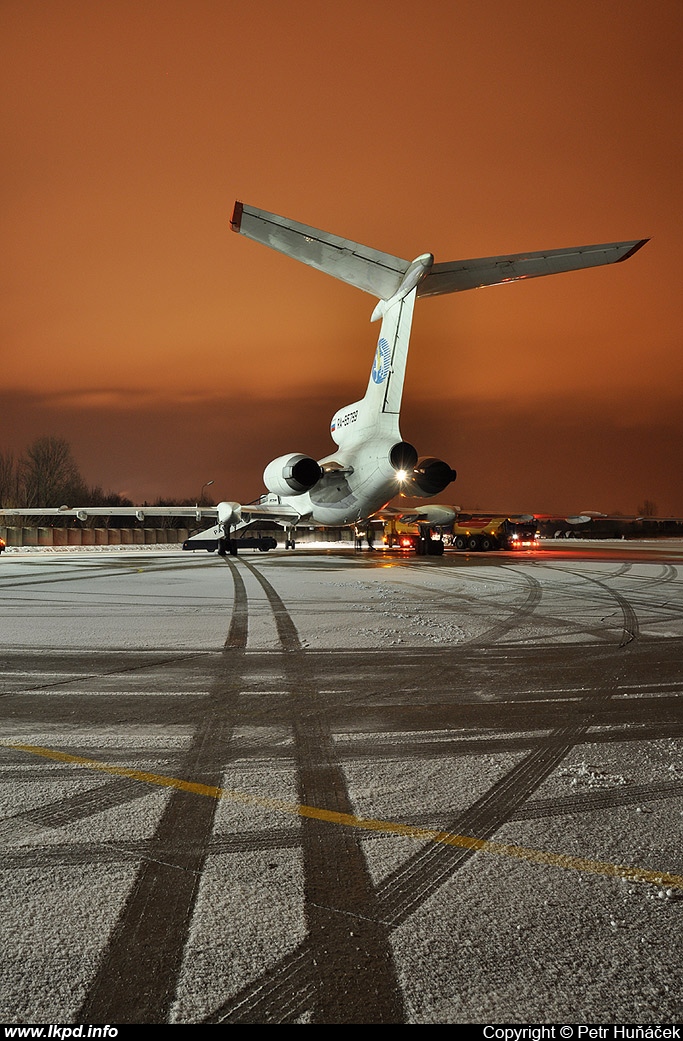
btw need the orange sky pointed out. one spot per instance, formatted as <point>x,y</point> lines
<point>169,350</point>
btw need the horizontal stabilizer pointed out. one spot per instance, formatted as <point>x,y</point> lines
<point>360,266</point>
<point>458,275</point>
<point>382,274</point>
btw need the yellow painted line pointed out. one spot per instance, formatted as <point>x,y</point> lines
<point>445,838</point>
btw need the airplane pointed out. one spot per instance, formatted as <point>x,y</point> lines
<point>371,463</point>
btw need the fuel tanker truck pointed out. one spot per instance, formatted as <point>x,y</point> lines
<point>428,530</point>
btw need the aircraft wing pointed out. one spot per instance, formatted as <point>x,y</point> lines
<point>438,514</point>
<point>140,512</point>
<point>458,275</point>
<point>252,511</point>
<point>269,511</point>
<point>430,513</point>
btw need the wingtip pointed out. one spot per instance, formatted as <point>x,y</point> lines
<point>634,249</point>
<point>236,219</point>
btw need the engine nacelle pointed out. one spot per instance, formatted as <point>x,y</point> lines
<point>436,516</point>
<point>403,456</point>
<point>428,478</point>
<point>291,474</point>
<point>229,513</point>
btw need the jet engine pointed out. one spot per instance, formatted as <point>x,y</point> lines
<point>403,456</point>
<point>291,474</point>
<point>229,513</point>
<point>429,477</point>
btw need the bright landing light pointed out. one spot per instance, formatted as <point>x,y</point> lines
<point>401,475</point>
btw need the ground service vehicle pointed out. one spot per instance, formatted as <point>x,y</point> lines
<point>483,532</point>
<point>477,532</point>
<point>423,538</point>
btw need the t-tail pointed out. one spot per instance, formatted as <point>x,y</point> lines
<point>396,283</point>
<point>390,279</point>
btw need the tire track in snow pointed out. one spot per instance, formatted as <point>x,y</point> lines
<point>408,887</point>
<point>137,977</point>
<point>518,614</point>
<point>345,968</point>
<point>630,627</point>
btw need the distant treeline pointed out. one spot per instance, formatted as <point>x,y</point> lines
<point>46,474</point>
<point>614,528</point>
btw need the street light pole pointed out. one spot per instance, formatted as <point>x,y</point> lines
<point>201,494</point>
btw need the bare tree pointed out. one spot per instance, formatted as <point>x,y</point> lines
<point>9,481</point>
<point>49,474</point>
<point>648,509</point>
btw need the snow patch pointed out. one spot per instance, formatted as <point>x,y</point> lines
<point>585,775</point>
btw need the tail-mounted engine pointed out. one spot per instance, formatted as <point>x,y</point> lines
<point>429,477</point>
<point>419,477</point>
<point>403,456</point>
<point>291,474</point>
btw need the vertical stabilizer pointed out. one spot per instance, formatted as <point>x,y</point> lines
<point>385,386</point>
<point>377,414</point>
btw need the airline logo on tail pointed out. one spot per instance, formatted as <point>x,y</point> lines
<point>380,369</point>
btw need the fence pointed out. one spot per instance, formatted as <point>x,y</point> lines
<point>77,536</point>
<point>93,536</point>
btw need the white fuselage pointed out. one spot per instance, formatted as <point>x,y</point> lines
<point>356,484</point>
